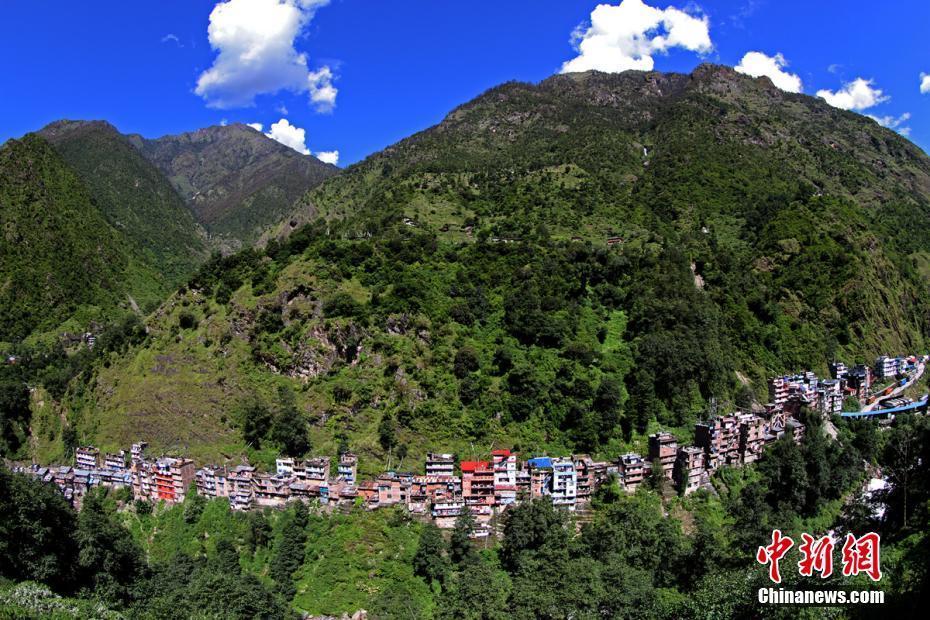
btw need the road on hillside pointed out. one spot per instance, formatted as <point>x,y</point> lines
<point>898,390</point>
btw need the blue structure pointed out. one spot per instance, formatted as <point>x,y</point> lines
<point>920,404</point>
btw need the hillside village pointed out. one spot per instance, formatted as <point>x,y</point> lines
<point>486,488</point>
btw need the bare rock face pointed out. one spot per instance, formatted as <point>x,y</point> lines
<point>236,180</point>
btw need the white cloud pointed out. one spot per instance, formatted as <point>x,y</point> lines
<point>860,94</point>
<point>925,83</point>
<point>895,123</point>
<point>758,64</point>
<point>296,138</point>
<point>627,35</point>
<point>322,92</point>
<point>282,109</point>
<point>328,157</point>
<point>289,135</point>
<point>224,122</point>
<point>172,37</point>
<point>256,54</point>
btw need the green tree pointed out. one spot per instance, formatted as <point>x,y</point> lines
<point>288,428</point>
<point>476,592</point>
<point>36,527</point>
<point>460,544</point>
<point>530,526</point>
<point>289,554</point>
<point>109,560</point>
<point>430,561</point>
<point>254,422</point>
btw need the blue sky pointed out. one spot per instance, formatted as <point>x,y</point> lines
<point>358,75</point>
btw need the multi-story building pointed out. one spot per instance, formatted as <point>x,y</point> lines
<point>172,477</point>
<point>886,367</point>
<point>719,437</point>
<point>348,468</point>
<point>689,469</point>
<point>631,468</point>
<point>778,391</point>
<point>440,464</point>
<point>87,457</point>
<point>115,461</point>
<point>838,371</point>
<point>241,493</point>
<point>540,469</point>
<point>477,483</point>
<point>752,432</point>
<point>859,380</point>
<point>137,450</point>
<point>284,466</point>
<point>586,474</point>
<point>316,469</point>
<point>445,513</point>
<point>663,448</point>
<point>505,477</point>
<point>272,491</point>
<point>564,483</point>
<point>212,481</point>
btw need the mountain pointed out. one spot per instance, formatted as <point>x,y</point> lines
<point>557,266</point>
<point>59,256</point>
<point>133,195</point>
<point>236,180</point>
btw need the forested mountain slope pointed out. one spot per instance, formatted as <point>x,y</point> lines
<point>133,195</point>
<point>457,289</point>
<point>236,180</point>
<point>59,256</point>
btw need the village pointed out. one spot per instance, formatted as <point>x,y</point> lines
<point>486,488</point>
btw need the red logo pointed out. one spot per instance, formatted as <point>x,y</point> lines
<point>773,553</point>
<point>816,555</point>
<point>861,555</point>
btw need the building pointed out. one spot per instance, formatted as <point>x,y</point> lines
<point>631,468</point>
<point>348,468</point>
<point>285,466</point>
<point>540,469</point>
<point>87,457</point>
<point>663,448</point>
<point>393,489</point>
<point>173,476</point>
<point>752,432</point>
<point>477,483</point>
<point>778,391</point>
<point>719,438</point>
<point>440,464</point>
<point>838,371</point>
<point>564,483</point>
<point>271,491</point>
<point>212,481</point>
<point>859,381</point>
<point>316,469</point>
<point>689,469</point>
<point>445,513</point>
<point>504,464</point>
<point>586,474</point>
<point>115,461</point>
<point>241,494</point>
<point>886,367</point>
